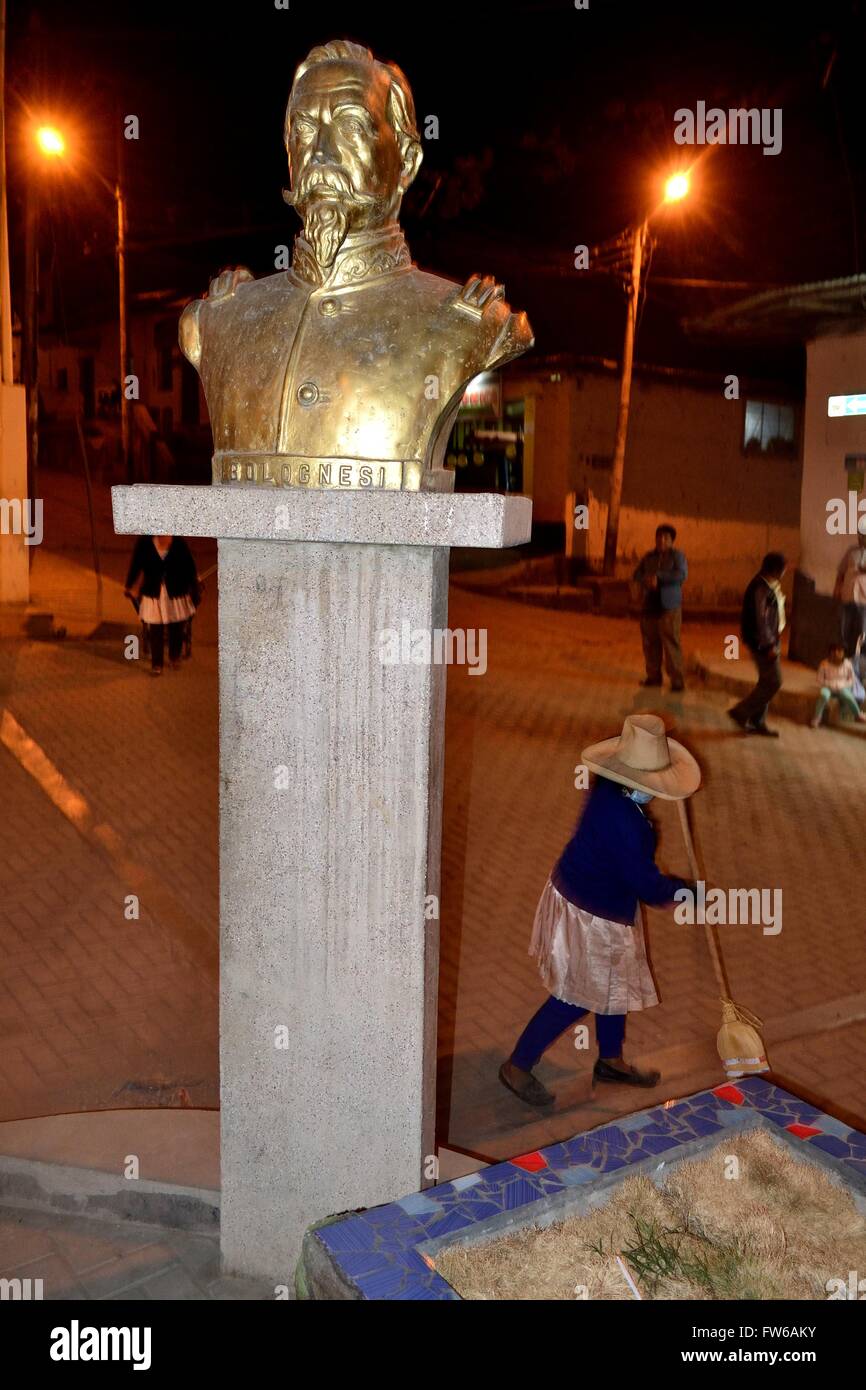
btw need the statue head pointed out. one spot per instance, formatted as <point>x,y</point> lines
<point>352,142</point>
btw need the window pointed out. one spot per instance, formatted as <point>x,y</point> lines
<point>769,428</point>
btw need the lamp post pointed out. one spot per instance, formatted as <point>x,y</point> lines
<point>52,145</point>
<point>676,188</point>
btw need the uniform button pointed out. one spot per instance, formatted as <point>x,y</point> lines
<point>330,306</point>
<point>308,393</point>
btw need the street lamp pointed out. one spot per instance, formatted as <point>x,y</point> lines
<point>51,144</point>
<point>50,141</point>
<point>676,187</point>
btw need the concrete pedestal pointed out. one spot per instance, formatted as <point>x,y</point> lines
<point>331,756</point>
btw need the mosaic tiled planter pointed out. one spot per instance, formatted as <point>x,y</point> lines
<point>385,1252</point>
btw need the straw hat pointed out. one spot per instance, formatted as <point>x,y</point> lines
<point>644,757</point>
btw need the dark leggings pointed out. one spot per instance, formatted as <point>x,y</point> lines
<point>552,1019</point>
<point>157,633</point>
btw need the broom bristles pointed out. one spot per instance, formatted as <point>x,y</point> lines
<point>741,1049</point>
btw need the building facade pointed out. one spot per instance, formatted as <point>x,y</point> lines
<point>720,461</point>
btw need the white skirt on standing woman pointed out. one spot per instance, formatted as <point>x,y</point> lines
<point>600,965</point>
<point>165,609</point>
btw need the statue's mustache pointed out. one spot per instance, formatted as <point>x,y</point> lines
<point>319,179</point>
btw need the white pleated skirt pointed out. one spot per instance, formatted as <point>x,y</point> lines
<point>588,960</point>
<point>165,609</point>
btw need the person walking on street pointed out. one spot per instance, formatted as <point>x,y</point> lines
<point>163,583</point>
<point>850,590</point>
<point>588,935</point>
<point>762,625</point>
<point>661,575</point>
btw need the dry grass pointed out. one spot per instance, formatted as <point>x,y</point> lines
<point>779,1230</point>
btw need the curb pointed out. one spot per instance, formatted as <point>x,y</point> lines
<point>796,705</point>
<point>31,1185</point>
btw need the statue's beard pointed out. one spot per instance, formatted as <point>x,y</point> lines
<point>326,200</point>
<point>325,228</point>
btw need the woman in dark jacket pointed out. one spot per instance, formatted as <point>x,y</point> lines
<point>587,935</point>
<point>163,582</point>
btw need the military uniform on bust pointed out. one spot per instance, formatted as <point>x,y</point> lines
<point>306,381</point>
<point>347,370</point>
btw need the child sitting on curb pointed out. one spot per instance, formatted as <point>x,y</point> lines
<point>836,679</point>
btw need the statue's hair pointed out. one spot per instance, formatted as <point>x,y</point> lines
<point>400,106</point>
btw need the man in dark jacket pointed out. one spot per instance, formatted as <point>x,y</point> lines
<point>763,622</point>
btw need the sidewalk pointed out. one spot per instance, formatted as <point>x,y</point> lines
<point>796,699</point>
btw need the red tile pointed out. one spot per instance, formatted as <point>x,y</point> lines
<point>531,1162</point>
<point>803,1131</point>
<point>730,1093</point>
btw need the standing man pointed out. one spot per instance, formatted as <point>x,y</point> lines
<point>763,623</point>
<point>662,573</point>
<point>851,591</point>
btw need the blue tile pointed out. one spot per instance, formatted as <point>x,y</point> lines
<point>391,1217</point>
<point>418,1202</point>
<point>702,1127</point>
<point>499,1172</point>
<point>468,1180</point>
<point>355,1263</point>
<point>574,1177</point>
<point>348,1235</point>
<point>517,1194</point>
<point>577,1150</point>
<point>450,1221</point>
<point>830,1125</point>
<point>609,1138</point>
<point>479,1211</point>
<point>384,1284</point>
<point>830,1144</point>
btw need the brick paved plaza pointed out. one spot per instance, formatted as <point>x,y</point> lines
<point>109,789</point>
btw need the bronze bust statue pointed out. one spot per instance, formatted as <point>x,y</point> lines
<point>347,370</point>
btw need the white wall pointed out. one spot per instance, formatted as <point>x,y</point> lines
<point>684,464</point>
<point>836,366</point>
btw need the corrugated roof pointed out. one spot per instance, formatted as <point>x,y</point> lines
<point>794,313</point>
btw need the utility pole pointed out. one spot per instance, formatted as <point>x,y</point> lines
<point>122,329</point>
<point>15,554</point>
<point>7,373</point>
<point>122,326</point>
<point>30,335</point>
<point>639,236</point>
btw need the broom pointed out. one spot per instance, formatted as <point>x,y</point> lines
<point>740,1045</point>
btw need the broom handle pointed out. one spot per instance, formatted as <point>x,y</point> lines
<point>710,931</point>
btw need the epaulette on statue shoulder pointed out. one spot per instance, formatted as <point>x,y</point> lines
<point>477,295</point>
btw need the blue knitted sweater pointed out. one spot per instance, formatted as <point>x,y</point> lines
<point>608,865</point>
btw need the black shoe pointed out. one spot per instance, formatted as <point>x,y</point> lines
<point>740,719</point>
<point>763,730</point>
<point>524,1085</point>
<point>678,685</point>
<point>624,1075</point>
<point>651,682</point>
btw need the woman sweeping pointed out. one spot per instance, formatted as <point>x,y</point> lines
<point>163,582</point>
<point>587,936</point>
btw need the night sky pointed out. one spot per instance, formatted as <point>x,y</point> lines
<point>553,124</point>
